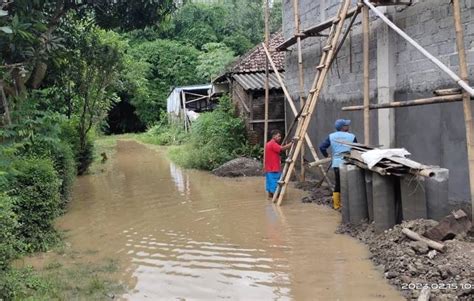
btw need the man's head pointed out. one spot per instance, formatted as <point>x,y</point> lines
<point>276,135</point>
<point>342,125</point>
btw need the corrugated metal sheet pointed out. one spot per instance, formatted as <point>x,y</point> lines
<point>173,103</point>
<point>256,81</point>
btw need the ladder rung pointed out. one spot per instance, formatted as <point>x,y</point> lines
<point>312,91</point>
<point>321,66</point>
<point>296,138</point>
<point>327,47</point>
<point>289,160</point>
<point>281,182</point>
<point>304,114</point>
<point>336,20</point>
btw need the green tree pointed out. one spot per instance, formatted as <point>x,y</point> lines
<point>213,60</point>
<point>166,64</point>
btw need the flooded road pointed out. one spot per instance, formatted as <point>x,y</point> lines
<point>187,235</point>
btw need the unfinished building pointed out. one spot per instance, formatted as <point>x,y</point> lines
<point>434,134</point>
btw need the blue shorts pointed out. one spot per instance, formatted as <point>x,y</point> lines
<point>271,181</point>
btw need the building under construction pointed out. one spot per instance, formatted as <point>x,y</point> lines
<point>434,133</point>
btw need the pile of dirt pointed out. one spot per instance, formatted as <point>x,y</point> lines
<point>321,195</point>
<point>240,167</point>
<point>410,265</point>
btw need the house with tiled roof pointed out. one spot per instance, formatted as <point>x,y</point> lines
<point>244,80</point>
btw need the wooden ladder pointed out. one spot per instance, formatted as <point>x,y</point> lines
<point>305,118</point>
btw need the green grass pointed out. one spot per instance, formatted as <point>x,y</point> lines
<point>56,281</point>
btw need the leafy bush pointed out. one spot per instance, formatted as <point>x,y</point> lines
<point>216,137</point>
<point>8,226</point>
<point>36,201</point>
<point>63,159</point>
<point>82,155</point>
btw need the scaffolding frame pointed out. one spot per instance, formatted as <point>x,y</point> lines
<point>365,6</point>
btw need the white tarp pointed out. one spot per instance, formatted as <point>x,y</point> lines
<point>372,157</point>
<point>192,115</point>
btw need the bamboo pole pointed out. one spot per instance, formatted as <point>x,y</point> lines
<point>5,105</point>
<point>409,103</point>
<point>267,80</point>
<point>365,31</point>
<point>443,67</point>
<point>185,116</point>
<point>300,76</point>
<point>466,99</point>
<point>295,112</point>
<point>319,79</point>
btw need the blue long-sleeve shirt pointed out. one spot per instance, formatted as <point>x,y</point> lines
<point>323,147</point>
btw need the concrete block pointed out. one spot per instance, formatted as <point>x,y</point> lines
<point>384,202</point>
<point>413,197</point>
<point>344,194</point>
<point>436,189</point>
<point>369,194</point>
<point>358,211</point>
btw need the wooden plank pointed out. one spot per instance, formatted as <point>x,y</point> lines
<point>313,31</point>
<point>242,101</point>
<point>408,103</point>
<point>466,96</point>
<point>269,120</point>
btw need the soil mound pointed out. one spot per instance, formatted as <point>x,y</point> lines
<point>240,167</point>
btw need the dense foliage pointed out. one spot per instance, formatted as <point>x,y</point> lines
<point>67,64</point>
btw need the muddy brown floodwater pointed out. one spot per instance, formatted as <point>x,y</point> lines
<point>188,235</point>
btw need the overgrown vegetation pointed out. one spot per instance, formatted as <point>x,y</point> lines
<point>215,138</point>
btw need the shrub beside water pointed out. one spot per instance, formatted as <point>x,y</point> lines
<point>36,202</point>
<point>63,161</point>
<point>216,137</point>
<point>8,227</point>
<point>82,155</point>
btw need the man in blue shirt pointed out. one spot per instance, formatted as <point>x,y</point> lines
<point>338,150</point>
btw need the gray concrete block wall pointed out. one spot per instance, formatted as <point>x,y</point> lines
<point>434,134</point>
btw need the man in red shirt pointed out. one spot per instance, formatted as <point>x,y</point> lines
<point>272,162</point>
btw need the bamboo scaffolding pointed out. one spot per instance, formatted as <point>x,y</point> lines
<point>300,75</point>
<point>303,124</point>
<point>408,103</point>
<point>444,68</point>
<point>366,59</point>
<point>465,96</point>
<point>295,112</point>
<point>267,80</point>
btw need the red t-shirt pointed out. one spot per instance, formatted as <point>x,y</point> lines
<point>272,156</point>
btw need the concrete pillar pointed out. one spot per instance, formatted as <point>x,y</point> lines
<point>386,80</point>
<point>437,194</point>
<point>344,193</point>
<point>384,202</point>
<point>369,194</point>
<point>413,196</point>
<point>357,197</point>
